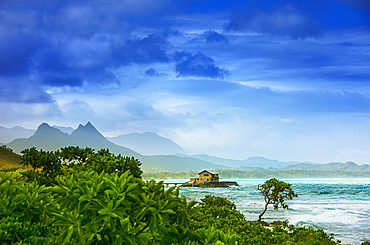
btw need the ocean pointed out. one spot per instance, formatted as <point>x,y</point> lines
<point>338,206</point>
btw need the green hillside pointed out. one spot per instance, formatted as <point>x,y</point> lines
<point>8,159</point>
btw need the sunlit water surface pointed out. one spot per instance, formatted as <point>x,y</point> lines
<point>339,206</point>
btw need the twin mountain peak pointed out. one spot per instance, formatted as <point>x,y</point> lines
<point>86,130</point>
<point>51,138</point>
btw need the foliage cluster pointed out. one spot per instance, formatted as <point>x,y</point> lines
<point>276,192</point>
<point>47,165</point>
<point>92,208</point>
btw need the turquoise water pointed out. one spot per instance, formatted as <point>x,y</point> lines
<point>339,206</point>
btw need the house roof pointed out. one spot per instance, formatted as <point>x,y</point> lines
<point>207,171</point>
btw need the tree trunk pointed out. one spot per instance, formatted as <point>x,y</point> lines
<point>264,211</point>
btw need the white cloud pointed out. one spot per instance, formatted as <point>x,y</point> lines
<point>28,115</point>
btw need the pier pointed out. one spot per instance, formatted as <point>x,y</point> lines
<point>175,184</point>
<point>221,184</point>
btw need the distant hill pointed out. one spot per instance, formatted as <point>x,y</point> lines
<point>263,164</point>
<point>249,163</point>
<point>176,163</point>
<point>333,166</point>
<point>246,168</point>
<point>9,134</point>
<point>8,159</point>
<point>148,143</point>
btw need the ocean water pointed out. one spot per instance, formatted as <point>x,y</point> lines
<point>338,206</point>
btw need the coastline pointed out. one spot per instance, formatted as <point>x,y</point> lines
<point>336,205</point>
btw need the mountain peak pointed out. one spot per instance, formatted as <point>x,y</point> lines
<point>43,126</point>
<point>88,127</point>
<point>350,163</point>
<point>87,131</point>
<point>45,131</point>
<point>79,127</point>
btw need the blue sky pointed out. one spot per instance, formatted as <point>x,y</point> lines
<point>287,80</point>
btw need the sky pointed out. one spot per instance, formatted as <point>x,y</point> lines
<point>286,80</point>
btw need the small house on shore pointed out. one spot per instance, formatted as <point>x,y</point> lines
<point>207,179</point>
<point>205,176</point>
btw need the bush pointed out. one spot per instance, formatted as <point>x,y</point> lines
<point>92,208</point>
<point>222,214</point>
<point>47,165</point>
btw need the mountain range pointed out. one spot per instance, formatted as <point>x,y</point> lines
<point>158,153</point>
<point>332,166</point>
<point>147,143</point>
<point>51,139</point>
<point>255,162</point>
<point>9,134</point>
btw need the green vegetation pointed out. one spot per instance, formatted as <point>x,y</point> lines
<point>77,196</point>
<point>8,159</point>
<point>240,174</point>
<point>276,192</point>
<point>92,208</point>
<point>47,165</point>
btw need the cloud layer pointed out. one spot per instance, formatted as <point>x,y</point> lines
<point>235,78</point>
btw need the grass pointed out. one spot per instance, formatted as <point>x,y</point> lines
<point>8,159</point>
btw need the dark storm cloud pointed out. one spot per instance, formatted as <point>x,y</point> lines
<point>22,90</point>
<point>144,51</point>
<point>72,43</point>
<point>52,69</point>
<point>91,60</point>
<point>198,65</point>
<point>215,37</point>
<point>16,53</point>
<point>77,43</point>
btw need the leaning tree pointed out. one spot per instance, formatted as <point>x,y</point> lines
<point>275,193</point>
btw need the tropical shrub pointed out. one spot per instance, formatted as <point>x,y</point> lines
<point>93,208</point>
<point>47,165</point>
<point>24,212</point>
